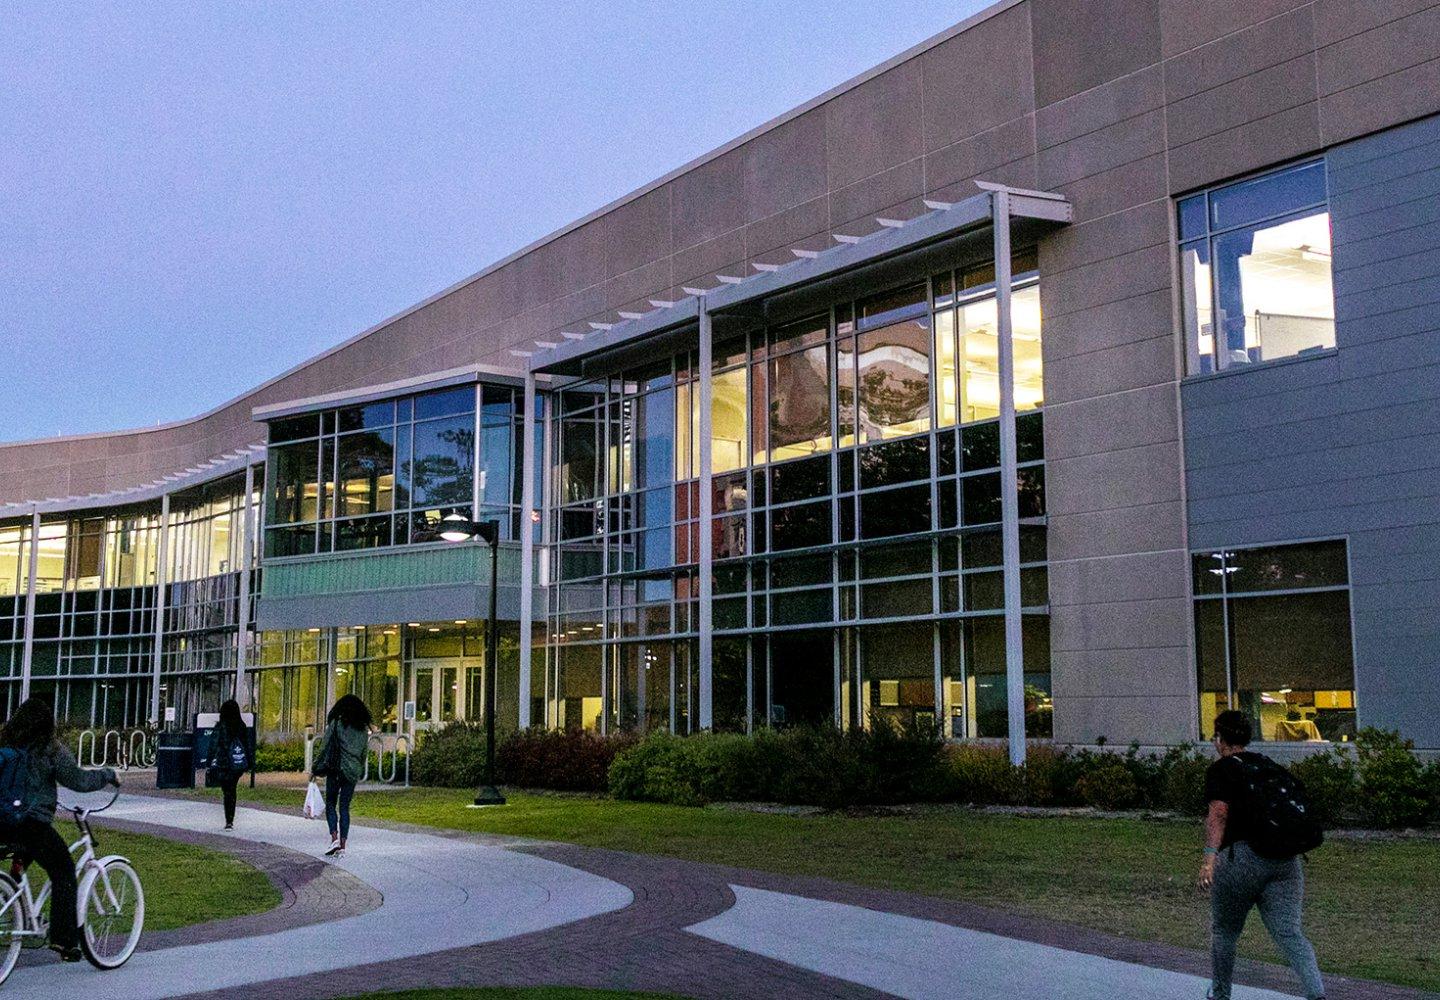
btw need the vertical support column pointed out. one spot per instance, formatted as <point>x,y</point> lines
<point>1009,495</point>
<point>33,563</point>
<point>247,542</point>
<point>162,565</point>
<point>527,548</point>
<point>705,373</point>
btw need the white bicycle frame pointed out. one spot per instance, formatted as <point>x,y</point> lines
<point>88,868</point>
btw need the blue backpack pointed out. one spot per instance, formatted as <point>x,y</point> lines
<point>14,786</point>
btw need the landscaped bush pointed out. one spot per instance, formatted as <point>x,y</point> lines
<point>1329,780</point>
<point>1111,785</point>
<point>563,760</point>
<point>450,757</point>
<point>1394,788</point>
<point>1184,781</point>
<point>983,776</point>
<point>280,755</point>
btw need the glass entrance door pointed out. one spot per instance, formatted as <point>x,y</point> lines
<point>440,689</point>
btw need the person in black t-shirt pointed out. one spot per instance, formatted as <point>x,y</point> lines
<point>1239,879</point>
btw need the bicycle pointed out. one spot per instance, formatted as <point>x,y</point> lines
<point>110,903</point>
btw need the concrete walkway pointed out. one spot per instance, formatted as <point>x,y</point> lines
<point>439,893</point>
<point>928,960</point>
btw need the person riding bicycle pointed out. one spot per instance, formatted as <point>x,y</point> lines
<point>32,728</point>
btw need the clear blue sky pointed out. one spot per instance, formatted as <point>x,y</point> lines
<point>195,197</point>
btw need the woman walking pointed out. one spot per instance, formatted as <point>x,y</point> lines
<point>229,755</point>
<point>32,730</point>
<point>341,759</point>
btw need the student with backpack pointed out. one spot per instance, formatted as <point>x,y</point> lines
<point>1257,825</point>
<point>229,756</point>
<point>32,763</point>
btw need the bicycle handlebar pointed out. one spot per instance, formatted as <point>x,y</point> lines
<point>83,811</point>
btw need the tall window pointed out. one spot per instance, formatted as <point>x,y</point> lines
<point>1255,270</point>
<point>1272,638</point>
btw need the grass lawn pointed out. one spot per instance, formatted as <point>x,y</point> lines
<point>184,884</point>
<point>529,993</point>
<point>1372,906</point>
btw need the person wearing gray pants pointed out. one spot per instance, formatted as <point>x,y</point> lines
<point>1238,878</point>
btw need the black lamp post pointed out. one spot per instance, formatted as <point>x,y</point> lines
<point>459,528</point>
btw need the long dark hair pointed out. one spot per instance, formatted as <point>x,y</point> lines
<point>231,718</point>
<point>32,726</point>
<point>350,711</point>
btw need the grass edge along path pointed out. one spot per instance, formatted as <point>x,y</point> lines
<point>1132,876</point>
<point>174,896</point>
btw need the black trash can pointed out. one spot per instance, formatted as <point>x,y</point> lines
<point>175,761</point>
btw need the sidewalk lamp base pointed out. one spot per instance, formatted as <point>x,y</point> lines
<point>488,795</point>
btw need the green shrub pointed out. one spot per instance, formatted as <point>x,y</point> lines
<point>1394,788</point>
<point>1110,785</point>
<point>983,775</point>
<point>450,757</point>
<point>1329,779</point>
<point>1183,788</point>
<point>280,755</point>
<point>567,760</point>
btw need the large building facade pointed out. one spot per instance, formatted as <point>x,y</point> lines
<point>1074,375</point>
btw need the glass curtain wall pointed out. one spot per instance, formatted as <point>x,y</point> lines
<point>856,487</point>
<point>385,473</point>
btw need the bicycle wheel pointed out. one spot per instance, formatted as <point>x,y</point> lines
<point>12,924</point>
<point>113,915</point>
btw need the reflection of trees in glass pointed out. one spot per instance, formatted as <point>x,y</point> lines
<point>445,477</point>
<point>894,377</point>
<point>800,401</point>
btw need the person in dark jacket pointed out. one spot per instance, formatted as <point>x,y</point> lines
<point>32,729</point>
<point>340,757</point>
<point>229,755</point>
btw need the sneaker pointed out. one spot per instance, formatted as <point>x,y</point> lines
<point>68,953</point>
<point>334,849</point>
<point>229,826</point>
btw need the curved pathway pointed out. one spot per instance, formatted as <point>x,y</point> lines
<point>438,894</point>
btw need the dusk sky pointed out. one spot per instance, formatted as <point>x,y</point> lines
<point>195,197</point>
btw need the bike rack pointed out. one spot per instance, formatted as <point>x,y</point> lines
<point>378,743</point>
<point>80,748</point>
<point>114,748</point>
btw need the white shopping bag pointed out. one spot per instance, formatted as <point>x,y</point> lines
<point>314,802</point>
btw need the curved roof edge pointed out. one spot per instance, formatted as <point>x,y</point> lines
<point>985,14</point>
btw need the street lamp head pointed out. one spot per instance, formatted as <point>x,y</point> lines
<point>456,527</point>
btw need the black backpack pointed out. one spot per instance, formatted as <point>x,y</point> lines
<point>14,786</point>
<point>1282,824</point>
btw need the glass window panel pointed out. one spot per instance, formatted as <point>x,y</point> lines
<point>655,439</point>
<point>1197,298</point>
<point>729,422</point>
<point>947,402</point>
<point>895,512</point>
<point>981,498</point>
<point>1275,296</point>
<point>295,541</point>
<point>443,464</point>
<point>898,599</point>
<point>1030,487</point>
<point>759,422</point>
<point>803,480</point>
<point>894,462</point>
<point>800,527</point>
<point>894,380</point>
<point>889,307</point>
<point>978,353</point>
<point>1268,196</point>
<point>1287,567</point>
<point>800,403</point>
<point>403,466</point>
<point>497,461</point>
<point>362,533</point>
<point>980,446</point>
<point>445,402</point>
<point>730,535</point>
<point>292,483</point>
<point>580,457</point>
<point>800,571</point>
<point>845,392</point>
<point>293,428</point>
<point>909,559</point>
<point>729,492</point>
<point>798,607</point>
<point>367,472</point>
<point>945,454</point>
<point>1029,437</point>
<point>371,415</point>
<point>1192,214</point>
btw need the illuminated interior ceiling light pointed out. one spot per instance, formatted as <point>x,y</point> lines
<point>413,624</point>
<point>434,629</point>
